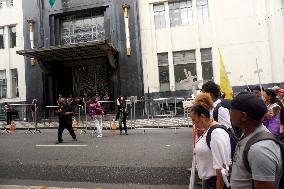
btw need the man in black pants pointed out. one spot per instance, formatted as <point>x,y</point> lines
<point>65,120</point>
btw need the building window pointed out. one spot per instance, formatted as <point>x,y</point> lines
<point>202,11</point>
<point>206,62</point>
<point>15,87</point>
<point>183,60</point>
<point>9,3</point>
<point>86,29</point>
<point>159,16</point>
<point>1,38</point>
<point>3,84</point>
<point>164,77</point>
<point>12,36</point>
<point>180,13</point>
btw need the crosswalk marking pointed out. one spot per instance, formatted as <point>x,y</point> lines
<point>61,145</point>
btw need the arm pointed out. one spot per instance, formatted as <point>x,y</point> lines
<point>219,181</point>
<point>224,117</point>
<point>221,152</point>
<point>264,185</point>
<point>264,159</point>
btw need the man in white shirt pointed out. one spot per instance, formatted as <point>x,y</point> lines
<point>223,115</point>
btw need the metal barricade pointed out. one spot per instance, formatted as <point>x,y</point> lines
<point>21,114</point>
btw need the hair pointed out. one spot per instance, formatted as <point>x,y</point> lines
<point>271,93</point>
<point>212,88</point>
<point>257,88</point>
<point>202,105</point>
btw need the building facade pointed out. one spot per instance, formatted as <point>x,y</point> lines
<point>12,66</point>
<point>74,48</point>
<point>187,34</point>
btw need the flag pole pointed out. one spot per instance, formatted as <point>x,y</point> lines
<point>259,80</point>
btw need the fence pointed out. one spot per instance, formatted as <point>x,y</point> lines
<point>154,113</point>
<point>23,115</point>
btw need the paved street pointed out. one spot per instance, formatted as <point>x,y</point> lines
<point>158,158</point>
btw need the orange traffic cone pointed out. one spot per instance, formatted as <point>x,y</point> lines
<point>74,124</point>
<point>12,127</point>
<point>113,126</point>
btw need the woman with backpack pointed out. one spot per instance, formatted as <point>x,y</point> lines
<point>213,156</point>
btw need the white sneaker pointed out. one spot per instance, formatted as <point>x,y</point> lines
<point>99,136</point>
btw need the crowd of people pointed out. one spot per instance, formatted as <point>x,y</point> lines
<point>95,110</point>
<point>239,141</point>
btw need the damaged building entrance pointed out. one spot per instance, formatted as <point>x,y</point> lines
<point>77,69</point>
<point>84,77</point>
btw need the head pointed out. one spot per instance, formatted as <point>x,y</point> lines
<point>63,101</point>
<point>34,101</point>
<point>213,89</point>
<point>69,100</point>
<point>200,112</point>
<point>269,96</point>
<point>257,90</point>
<point>94,99</point>
<point>247,110</point>
<point>280,94</point>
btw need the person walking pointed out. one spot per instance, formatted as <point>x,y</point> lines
<point>65,114</point>
<point>220,111</point>
<point>96,112</point>
<point>8,110</point>
<point>214,156</point>
<point>121,114</point>
<point>274,106</point>
<point>263,165</point>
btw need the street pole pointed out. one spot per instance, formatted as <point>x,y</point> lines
<point>148,102</point>
<point>258,71</point>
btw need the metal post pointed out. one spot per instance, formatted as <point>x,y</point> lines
<point>131,114</point>
<point>175,106</point>
<point>134,113</point>
<point>36,129</point>
<point>148,102</point>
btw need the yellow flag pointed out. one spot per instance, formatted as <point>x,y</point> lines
<point>224,80</point>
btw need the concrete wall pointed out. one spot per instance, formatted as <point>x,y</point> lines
<point>240,29</point>
<point>8,58</point>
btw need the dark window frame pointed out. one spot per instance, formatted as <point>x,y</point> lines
<point>12,36</point>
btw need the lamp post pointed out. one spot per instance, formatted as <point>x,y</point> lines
<point>31,29</point>
<point>127,32</point>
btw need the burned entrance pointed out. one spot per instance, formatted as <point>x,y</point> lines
<point>83,77</point>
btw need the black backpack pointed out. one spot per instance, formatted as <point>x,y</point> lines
<point>226,104</point>
<point>233,140</point>
<point>263,135</point>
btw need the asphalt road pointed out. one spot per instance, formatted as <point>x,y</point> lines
<point>158,158</point>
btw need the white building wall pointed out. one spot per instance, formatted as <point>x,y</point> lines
<point>240,29</point>
<point>8,58</point>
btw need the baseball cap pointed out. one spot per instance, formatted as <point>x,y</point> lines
<point>280,91</point>
<point>251,104</point>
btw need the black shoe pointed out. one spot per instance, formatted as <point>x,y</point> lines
<point>75,139</point>
<point>58,142</point>
<point>126,133</point>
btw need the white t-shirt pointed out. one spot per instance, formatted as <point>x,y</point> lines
<point>223,114</point>
<point>207,161</point>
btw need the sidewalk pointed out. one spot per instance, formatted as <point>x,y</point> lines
<point>139,123</point>
<point>31,187</point>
